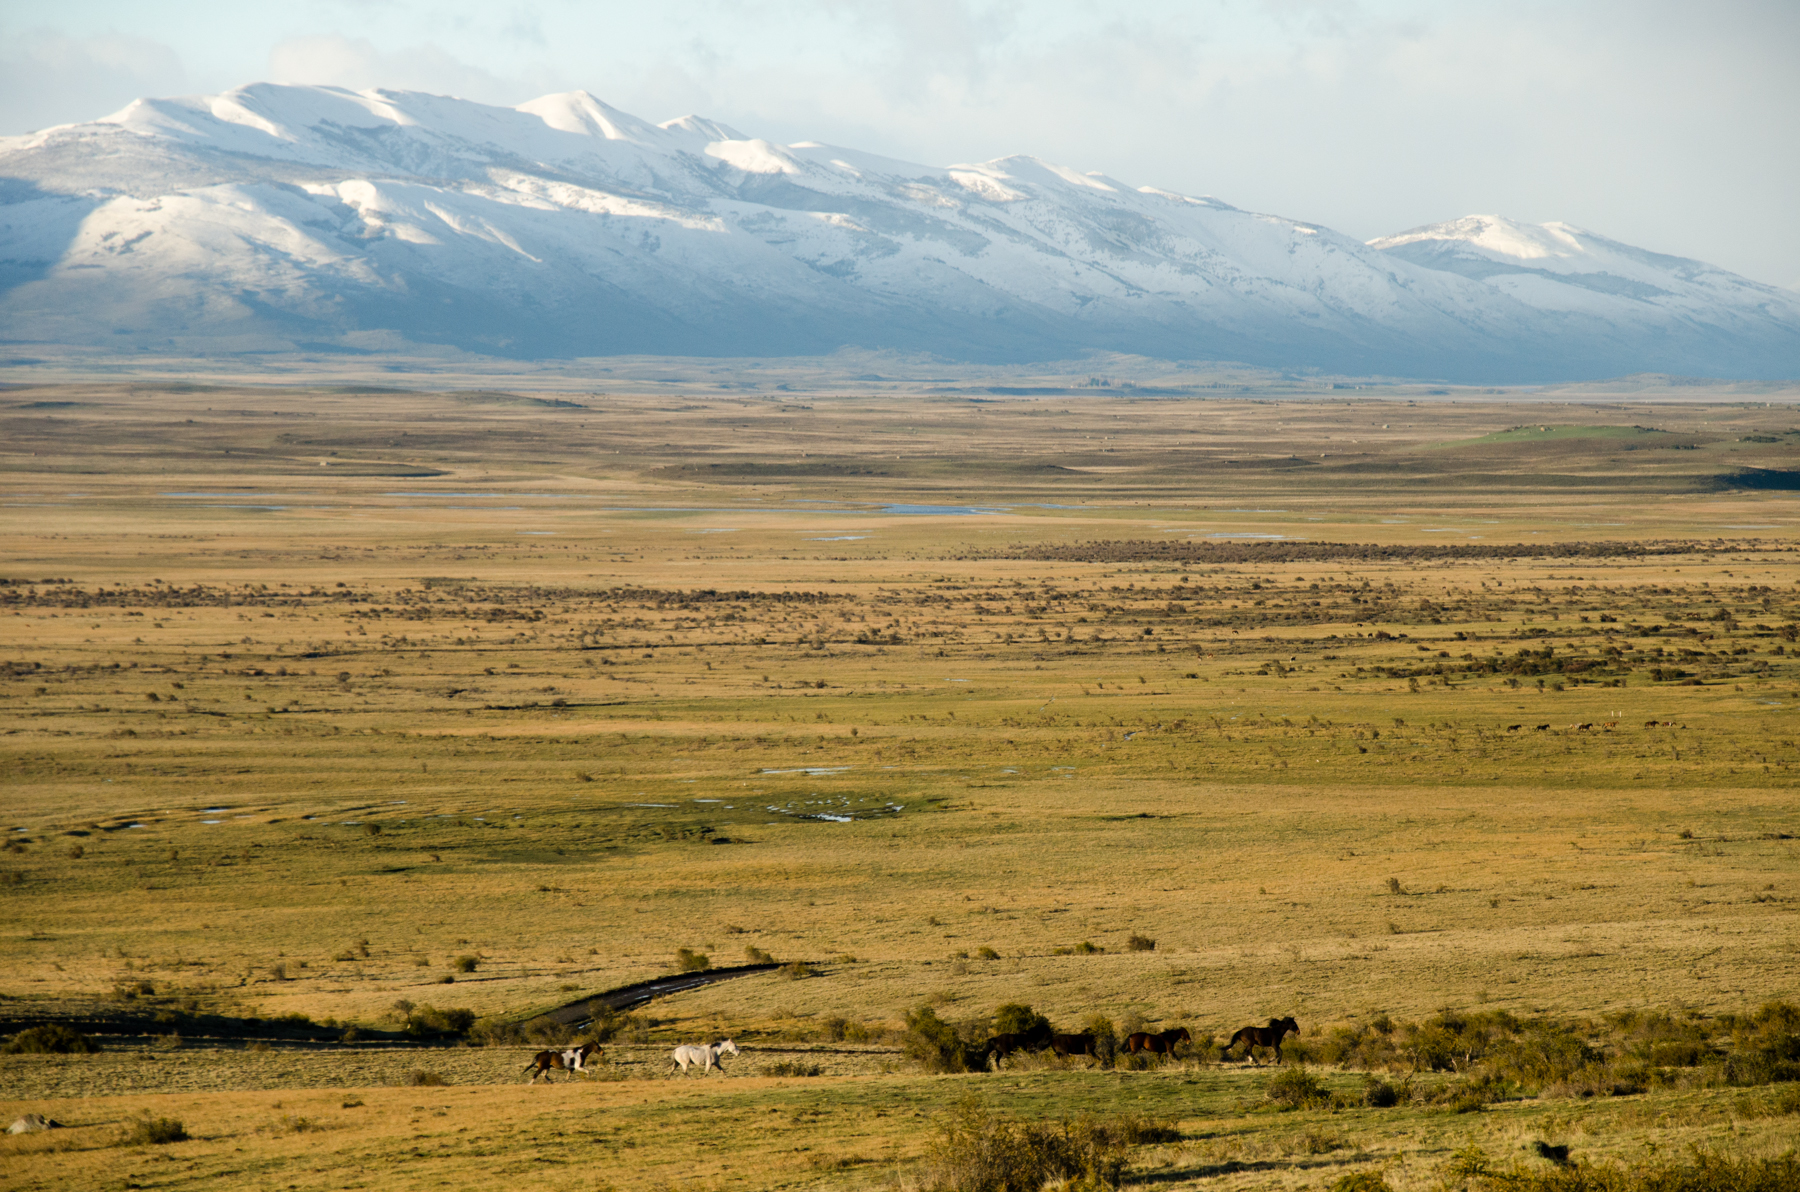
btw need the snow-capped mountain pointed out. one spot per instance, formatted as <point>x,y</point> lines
<point>278,218</point>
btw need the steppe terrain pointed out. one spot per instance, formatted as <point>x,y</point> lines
<point>327,711</point>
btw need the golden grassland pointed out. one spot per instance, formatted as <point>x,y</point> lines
<point>310,693</point>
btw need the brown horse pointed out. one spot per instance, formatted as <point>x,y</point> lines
<point>1001,1046</point>
<point>1262,1036</point>
<point>573,1060</point>
<point>1082,1044</point>
<point>1162,1043</point>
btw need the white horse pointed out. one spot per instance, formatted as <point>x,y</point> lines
<point>705,1054</point>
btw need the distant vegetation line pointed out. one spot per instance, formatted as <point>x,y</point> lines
<point>1140,550</point>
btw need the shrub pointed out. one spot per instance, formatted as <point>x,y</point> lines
<point>689,961</point>
<point>1296,1088</point>
<point>50,1039</point>
<point>465,964</point>
<point>1087,948</point>
<point>1379,1094</point>
<point>1361,1181</point>
<point>976,1151</point>
<point>1783,1104</point>
<point>153,1131</point>
<point>796,970</point>
<point>1016,1018</point>
<point>1140,943</point>
<point>792,1068</point>
<point>986,953</point>
<point>934,1043</point>
<point>755,955</point>
<point>548,1032</point>
<point>420,1078</point>
<point>429,1020</point>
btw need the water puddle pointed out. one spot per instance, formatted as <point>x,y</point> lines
<point>939,510</point>
<point>842,810</point>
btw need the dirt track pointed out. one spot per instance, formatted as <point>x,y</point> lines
<point>578,1014</point>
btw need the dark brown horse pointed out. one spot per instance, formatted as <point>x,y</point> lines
<point>1001,1046</point>
<point>1082,1044</point>
<point>1262,1036</point>
<point>1162,1043</point>
<point>572,1060</point>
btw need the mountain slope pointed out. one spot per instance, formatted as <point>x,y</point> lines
<point>276,218</point>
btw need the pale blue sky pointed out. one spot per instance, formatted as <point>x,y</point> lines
<point>1667,124</point>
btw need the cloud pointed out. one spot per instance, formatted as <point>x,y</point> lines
<point>339,61</point>
<point>49,78</point>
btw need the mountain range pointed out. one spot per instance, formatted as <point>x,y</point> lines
<point>279,219</point>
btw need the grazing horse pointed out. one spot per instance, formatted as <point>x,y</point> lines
<point>1161,1043</point>
<point>1082,1044</point>
<point>705,1054</point>
<point>573,1060</point>
<point>1262,1036</point>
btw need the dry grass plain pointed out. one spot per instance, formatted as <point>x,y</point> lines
<point>309,693</point>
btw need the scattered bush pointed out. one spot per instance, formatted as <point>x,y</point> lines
<point>797,970</point>
<point>976,1151</point>
<point>934,1043</point>
<point>689,961</point>
<point>986,953</point>
<point>1361,1181</point>
<point>465,964</point>
<point>755,955</point>
<point>1709,1172</point>
<point>1140,943</point>
<point>50,1039</point>
<point>1296,1088</point>
<point>425,1021</point>
<point>1087,948</point>
<point>420,1078</point>
<point>547,1032</point>
<point>1016,1018</point>
<point>1785,1103</point>
<point>1379,1094</point>
<point>153,1131</point>
<point>791,1068</point>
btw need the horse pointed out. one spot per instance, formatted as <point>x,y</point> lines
<point>1001,1046</point>
<point>1082,1044</point>
<point>1161,1043</point>
<point>705,1054</point>
<point>1262,1036</point>
<point>573,1060</point>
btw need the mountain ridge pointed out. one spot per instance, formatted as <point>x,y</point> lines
<point>278,218</point>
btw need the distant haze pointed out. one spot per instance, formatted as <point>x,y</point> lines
<point>1668,125</point>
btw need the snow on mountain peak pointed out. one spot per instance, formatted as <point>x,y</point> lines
<point>276,217</point>
<point>580,113</point>
<point>1497,235</point>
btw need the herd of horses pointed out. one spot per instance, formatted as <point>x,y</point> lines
<point>1161,1043</point>
<point>710,1056</point>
